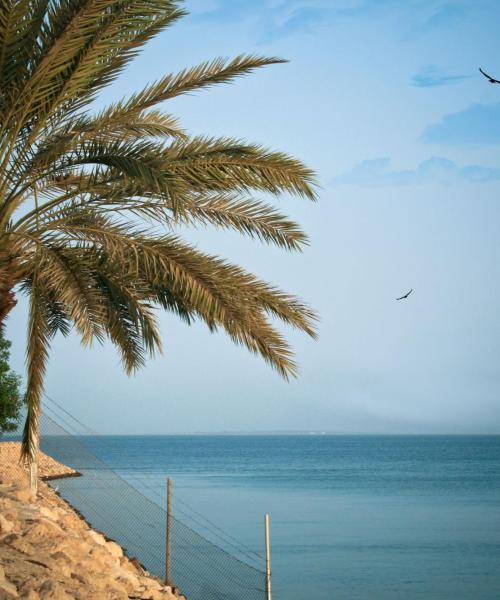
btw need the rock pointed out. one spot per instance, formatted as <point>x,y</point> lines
<point>6,526</point>
<point>116,593</point>
<point>46,512</point>
<point>52,590</point>
<point>40,560</point>
<point>133,566</point>
<point>60,512</point>
<point>61,568</point>
<point>73,548</point>
<point>27,590</point>
<point>114,549</point>
<point>61,557</point>
<point>78,577</point>
<point>98,538</point>
<point>24,494</point>
<point>8,590</point>
<point>11,515</point>
<point>8,539</point>
<point>84,594</point>
<point>19,543</point>
<point>155,595</point>
<point>42,530</point>
<point>101,557</point>
<point>129,581</point>
<point>29,595</point>
<point>47,552</point>
<point>130,567</point>
<point>29,513</point>
<point>150,584</point>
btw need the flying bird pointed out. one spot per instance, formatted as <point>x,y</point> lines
<point>490,79</point>
<point>406,295</point>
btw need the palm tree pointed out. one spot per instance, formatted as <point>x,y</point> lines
<point>90,202</point>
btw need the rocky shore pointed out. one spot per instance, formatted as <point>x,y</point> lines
<point>47,552</point>
<point>12,469</point>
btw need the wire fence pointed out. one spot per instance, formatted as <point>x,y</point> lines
<point>200,568</point>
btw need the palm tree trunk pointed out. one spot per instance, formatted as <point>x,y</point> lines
<point>31,442</point>
<point>7,302</point>
<point>32,430</point>
<point>30,446</point>
<point>9,274</point>
<point>36,360</point>
<point>7,296</point>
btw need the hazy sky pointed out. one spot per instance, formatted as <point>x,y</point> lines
<point>384,99</point>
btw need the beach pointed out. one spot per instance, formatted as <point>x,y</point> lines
<point>49,552</point>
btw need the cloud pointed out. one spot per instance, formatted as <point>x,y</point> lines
<point>434,77</point>
<point>302,20</point>
<point>273,19</point>
<point>377,173</point>
<point>279,18</point>
<point>229,11</point>
<point>445,15</point>
<point>477,124</point>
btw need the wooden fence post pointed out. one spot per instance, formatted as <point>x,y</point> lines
<point>168,538</point>
<point>268,559</point>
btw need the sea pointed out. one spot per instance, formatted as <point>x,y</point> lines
<point>352,517</point>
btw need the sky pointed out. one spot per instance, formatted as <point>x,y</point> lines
<point>384,100</point>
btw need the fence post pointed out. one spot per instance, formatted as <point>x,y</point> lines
<point>34,475</point>
<point>168,538</point>
<point>33,460</point>
<point>268,559</point>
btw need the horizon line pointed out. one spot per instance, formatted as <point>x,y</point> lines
<point>295,433</point>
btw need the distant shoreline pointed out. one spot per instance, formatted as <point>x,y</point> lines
<point>287,434</point>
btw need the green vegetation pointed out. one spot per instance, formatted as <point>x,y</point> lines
<point>10,395</point>
<point>89,203</point>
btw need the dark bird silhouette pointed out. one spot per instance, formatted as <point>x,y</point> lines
<point>490,79</point>
<point>406,295</point>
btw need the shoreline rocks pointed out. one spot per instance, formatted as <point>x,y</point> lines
<point>47,552</point>
<point>12,467</point>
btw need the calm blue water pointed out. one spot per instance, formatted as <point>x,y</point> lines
<point>352,517</point>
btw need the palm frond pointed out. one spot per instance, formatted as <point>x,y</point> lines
<point>20,23</point>
<point>245,215</point>
<point>91,203</point>
<point>204,75</point>
<point>227,164</point>
<point>101,41</point>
